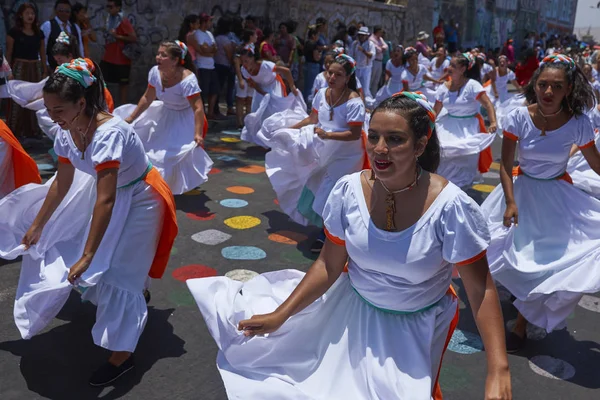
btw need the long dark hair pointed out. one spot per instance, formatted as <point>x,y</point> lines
<point>186,27</point>
<point>419,123</point>
<point>68,89</point>
<point>77,7</point>
<point>470,73</point>
<point>581,98</point>
<point>349,68</point>
<point>66,50</point>
<point>174,51</point>
<point>19,18</point>
<point>408,54</point>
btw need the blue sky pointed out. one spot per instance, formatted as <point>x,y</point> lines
<point>587,16</point>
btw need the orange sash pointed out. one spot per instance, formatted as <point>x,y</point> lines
<point>485,157</point>
<point>24,167</point>
<point>565,177</point>
<point>169,227</point>
<point>437,391</point>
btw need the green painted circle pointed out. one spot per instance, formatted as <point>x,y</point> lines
<point>182,298</point>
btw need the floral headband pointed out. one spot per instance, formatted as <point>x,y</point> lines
<point>348,59</point>
<point>482,57</point>
<point>64,38</point>
<point>249,47</point>
<point>470,59</point>
<point>338,51</point>
<point>184,50</point>
<point>422,101</point>
<point>502,57</point>
<point>559,59</point>
<point>339,43</point>
<point>79,69</point>
<point>409,50</point>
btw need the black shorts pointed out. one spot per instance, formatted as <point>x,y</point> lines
<point>209,81</point>
<point>114,73</point>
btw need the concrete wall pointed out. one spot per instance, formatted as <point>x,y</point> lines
<point>158,20</point>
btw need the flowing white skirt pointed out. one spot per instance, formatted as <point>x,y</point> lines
<point>552,257</point>
<point>461,141</point>
<point>337,348</point>
<point>266,106</point>
<point>504,107</point>
<point>304,168</point>
<point>27,94</point>
<point>385,92</point>
<point>584,177</point>
<point>118,273</point>
<point>168,138</point>
<point>7,174</point>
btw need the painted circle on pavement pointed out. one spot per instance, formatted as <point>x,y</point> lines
<point>243,253</point>
<point>240,189</point>
<point>495,166</point>
<point>45,167</point>
<point>181,298</point>
<point>211,237</point>
<point>252,169</point>
<point>236,132</point>
<point>201,215</point>
<point>484,188</point>
<point>464,342</point>
<point>230,140</point>
<point>287,237</point>
<point>550,367</point>
<point>214,171</point>
<point>242,222</point>
<point>242,275</point>
<point>233,203</point>
<point>174,251</point>
<point>226,158</point>
<point>193,271</point>
<point>533,332</point>
<point>590,303</point>
<point>193,192</point>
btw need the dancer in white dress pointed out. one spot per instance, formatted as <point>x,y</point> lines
<point>170,120</point>
<point>17,168</point>
<point>363,51</point>
<point>243,91</point>
<point>505,102</point>
<point>438,68</point>
<point>464,139</point>
<point>322,80</point>
<point>84,235</point>
<point>380,330</point>
<point>487,73</point>
<point>270,93</point>
<point>544,252</point>
<point>310,153</point>
<point>414,75</point>
<point>393,76</point>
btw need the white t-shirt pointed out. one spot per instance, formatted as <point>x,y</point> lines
<point>204,37</point>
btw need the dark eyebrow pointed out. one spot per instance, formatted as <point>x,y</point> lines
<point>389,132</point>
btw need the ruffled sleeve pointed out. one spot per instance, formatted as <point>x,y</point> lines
<point>107,149</point>
<point>334,215</point>
<point>511,76</point>
<point>511,125</point>
<point>389,66</point>
<point>356,112</point>
<point>584,137</point>
<point>316,103</point>
<point>190,87</point>
<point>61,146</point>
<point>463,231</point>
<point>154,77</point>
<point>440,93</point>
<point>476,90</point>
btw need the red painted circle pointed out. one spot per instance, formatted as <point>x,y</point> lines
<point>276,201</point>
<point>193,271</point>
<point>201,215</point>
<point>214,171</point>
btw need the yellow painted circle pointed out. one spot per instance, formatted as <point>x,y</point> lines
<point>230,140</point>
<point>242,222</point>
<point>484,188</point>
<point>495,166</point>
<point>193,192</point>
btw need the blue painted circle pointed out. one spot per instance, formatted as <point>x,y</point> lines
<point>236,132</point>
<point>233,203</point>
<point>45,167</point>
<point>243,253</point>
<point>226,158</point>
<point>464,342</point>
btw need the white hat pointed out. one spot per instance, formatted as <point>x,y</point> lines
<point>422,35</point>
<point>363,31</point>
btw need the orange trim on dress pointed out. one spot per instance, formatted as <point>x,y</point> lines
<point>485,157</point>
<point>193,96</point>
<point>517,171</point>
<point>110,103</point>
<point>355,123</point>
<point>585,146</point>
<point>25,169</point>
<point>334,239</point>
<point>437,391</point>
<point>479,95</point>
<point>107,165</point>
<point>151,86</point>
<point>169,225</point>
<point>366,163</point>
<point>472,259</point>
<point>315,110</point>
<point>487,83</point>
<point>510,136</point>
<point>282,83</point>
<point>63,160</point>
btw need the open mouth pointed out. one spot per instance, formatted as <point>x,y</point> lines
<point>382,164</point>
<point>547,100</point>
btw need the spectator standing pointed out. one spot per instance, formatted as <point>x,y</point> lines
<point>421,45</point>
<point>116,67</point>
<point>61,22</point>
<point>285,45</point>
<point>80,18</point>
<point>267,50</point>
<point>380,47</point>
<point>224,62</point>
<point>250,23</point>
<point>189,25</point>
<point>363,51</point>
<point>439,37</point>
<point>322,42</point>
<point>312,58</point>
<point>451,33</point>
<point>25,53</point>
<point>509,52</point>
<point>342,34</point>
<point>206,49</point>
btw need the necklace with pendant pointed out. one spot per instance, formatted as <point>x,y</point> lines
<point>545,118</point>
<point>84,137</point>
<point>164,80</point>
<point>331,107</point>
<point>390,200</point>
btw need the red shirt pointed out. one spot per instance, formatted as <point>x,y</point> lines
<point>114,51</point>
<point>525,71</point>
<point>438,32</point>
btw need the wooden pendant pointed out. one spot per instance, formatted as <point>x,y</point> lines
<point>331,114</point>
<point>390,211</point>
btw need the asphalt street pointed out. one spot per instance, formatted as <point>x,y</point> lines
<point>233,225</point>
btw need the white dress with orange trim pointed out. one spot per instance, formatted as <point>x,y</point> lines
<point>464,140</point>
<point>506,101</point>
<point>578,168</point>
<point>378,333</point>
<point>275,100</point>
<point>436,73</point>
<point>302,167</point>
<point>551,258</point>
<point>167,129</point>
<point>393,85</point>
<point>321,82</point>
<point>135,245</point>
<point>17,168</point>
<point>416,83</point>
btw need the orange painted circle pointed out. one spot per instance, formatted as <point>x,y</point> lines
<point>287,237</point>
<point>214,171</point>
<point>219,149</point>
<point>240,189</point>
<point>252,169</point>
